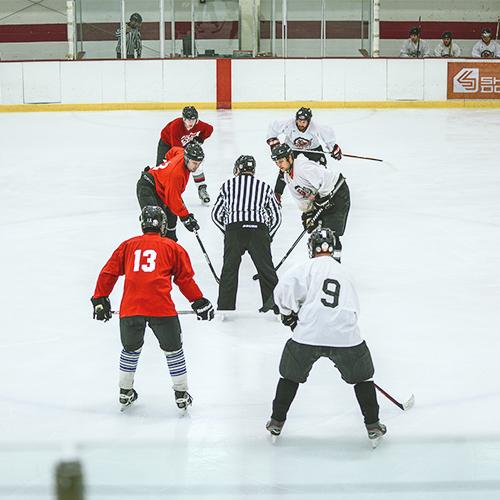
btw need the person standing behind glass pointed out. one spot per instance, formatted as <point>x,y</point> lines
<point>447,47</point>
<point>133,40</point>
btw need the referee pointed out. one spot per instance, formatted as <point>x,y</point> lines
<point>249,215</point>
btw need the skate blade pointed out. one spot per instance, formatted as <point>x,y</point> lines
<point>124,407</point>
<point>274,438</point>
<point>375,442</point>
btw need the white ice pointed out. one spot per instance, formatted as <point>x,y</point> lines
<point>422,241</point>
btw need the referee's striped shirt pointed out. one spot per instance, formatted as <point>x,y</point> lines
<point>244,198</point>
<point>133,41</point>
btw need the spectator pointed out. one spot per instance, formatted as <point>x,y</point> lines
<point>133,40</point>
<point>447,47</point>
<point>486,47</point>
<point>415,47</point>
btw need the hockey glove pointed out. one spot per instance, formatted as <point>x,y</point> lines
<point>278,197</point>
<point>336,152</point>
<point>291,320</point>
<point>273,141</point>
<point>204,309</point>
<point>102,308</point>
<point>309,222</point>
<point>190,223</point>
<point>322,202</point>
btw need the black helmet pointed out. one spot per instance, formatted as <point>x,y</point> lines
<point>245,164</point>
<point>304,114</point>
<point>189,113</point>
<point>136,17</point>
<point>447,34</point>
<point>193,151</point>
<point>486,32</point>
<point>321,240</point>
<point>280,151</point>
<point>153,218</point>
<point>414,31</point>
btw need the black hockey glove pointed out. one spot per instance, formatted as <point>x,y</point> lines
<point>291,320</point>
<point>322,202</point>
<point>190,223</point>
<point>336,152</point>
<point>273,141</point>
<point>309,222</point>
<point>102,308</point>
<point>204,309</point>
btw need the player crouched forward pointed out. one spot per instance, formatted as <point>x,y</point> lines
<point>317,300</point>
<point>149,262</point>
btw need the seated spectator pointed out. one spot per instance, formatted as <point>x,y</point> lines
<point>415,46</point>
<point>133,41</point>
<point>486,47</point>
<point>447,47</point>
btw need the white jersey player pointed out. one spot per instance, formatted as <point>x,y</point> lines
<point>415,46</point>
<point>447,47</point>
<point>486,47</point>
<point>305,136</point>
<point>321,193</point>
<point>318,301</point>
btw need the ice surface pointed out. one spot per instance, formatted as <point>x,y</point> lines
<point>422,241</point>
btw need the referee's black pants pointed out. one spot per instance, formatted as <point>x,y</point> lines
<point>244,237</point>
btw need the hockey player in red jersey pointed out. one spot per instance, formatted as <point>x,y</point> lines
<point>149,262</point>
<point>164,184</point>
<point>180,132</point>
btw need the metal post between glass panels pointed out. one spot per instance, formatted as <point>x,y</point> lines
<point>192,30</point>
<point>162,30</point>
<point>123,46</point>
<point>284,33</point>
<point>323,28</point>
<point>273,28</point>
<point>172,28</point>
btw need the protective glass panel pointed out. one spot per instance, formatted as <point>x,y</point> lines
<point>270,43</point>
<point>304,28</point>
<point>143,40</point>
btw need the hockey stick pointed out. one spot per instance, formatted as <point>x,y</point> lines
<point>301,235</point>
<point>403,406</point>
<point>206,257</point>
<point>343,154</point>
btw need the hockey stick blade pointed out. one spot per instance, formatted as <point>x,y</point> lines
<point>409,404</point>
<point>402,406</point>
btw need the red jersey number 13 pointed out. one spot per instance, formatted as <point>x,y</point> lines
<point>149,256</point>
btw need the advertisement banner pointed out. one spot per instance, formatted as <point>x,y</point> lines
<point>474,80</point>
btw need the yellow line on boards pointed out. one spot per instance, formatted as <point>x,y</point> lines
<point>158,106</point>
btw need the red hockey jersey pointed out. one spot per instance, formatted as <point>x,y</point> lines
<point>176,134</point>
<point>149,262</point>
<point>171,178</point>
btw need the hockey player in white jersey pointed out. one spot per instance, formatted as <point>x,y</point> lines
<point>315,188</point>
<point>486,47</point>
<point>447,47</point>
<point>305,136</point>
<point>318,301</point>
<point>414,46</point>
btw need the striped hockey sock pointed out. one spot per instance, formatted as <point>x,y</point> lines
<point>177,368</point>
<point>128,365</point>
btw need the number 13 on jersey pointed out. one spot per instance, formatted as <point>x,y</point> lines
<point>144,260</point>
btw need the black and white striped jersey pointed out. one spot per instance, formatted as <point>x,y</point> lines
<point>133,41</point>
<point>244,198</point>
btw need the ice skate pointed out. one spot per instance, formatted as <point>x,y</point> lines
<point>203,194</point>
<point>274,427</point>
<point>375,433</point>
<point>183,399</point>
<point>127,397</point>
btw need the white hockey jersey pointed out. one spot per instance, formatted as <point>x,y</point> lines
<point>322,293</point>
<point>410,49</point>
<point>307,179</point>
<point>480,48</point>
<point>314,136</point>
<point>453,50</point>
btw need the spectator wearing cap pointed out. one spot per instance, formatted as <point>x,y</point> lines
<point>133,40</point>
<point>415,47</point>
<point>447,47</point>
<point>486,47</point>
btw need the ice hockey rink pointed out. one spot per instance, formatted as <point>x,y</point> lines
<point>422,242</point>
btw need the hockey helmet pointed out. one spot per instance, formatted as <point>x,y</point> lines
<point>447,34</point>
<point>486,32</point>
<point>136,17</point>
<point>245,164</point>
<point>304,114</point>
<point>415,31</point>
<point>280,151</point>
<point>153,218</point>
<point>193,151</point>
<point>190,113</point>
<point>321,240</point>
